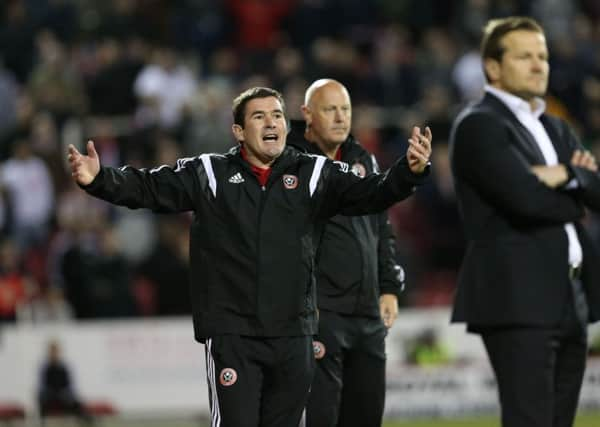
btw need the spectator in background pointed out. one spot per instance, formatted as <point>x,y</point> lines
<point>258,23</point>
<point>27,182</point>
<point>56,390</point>
<point>358,280</point>
<point>426,350</point>
<point>9,91</point>
<point>54,84</point>
<point>25,111</point>
<point>166,268</point>
<point>116,72</point>
<point>97,276</point>
<point>78,218</point>
<point>529,282</point>
<point>17,33</point>
<point>16,287</point>
<point>165,88</point>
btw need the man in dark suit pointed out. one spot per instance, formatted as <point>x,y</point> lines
<point>529,283</point>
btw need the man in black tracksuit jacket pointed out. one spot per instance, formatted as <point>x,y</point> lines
<point>358,279</point>
<point>256,211</point>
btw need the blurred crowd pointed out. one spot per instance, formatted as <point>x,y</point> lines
<point>152,80</point>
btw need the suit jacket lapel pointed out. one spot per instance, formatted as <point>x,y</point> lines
<point>562,148</point>
<point>525,140</point>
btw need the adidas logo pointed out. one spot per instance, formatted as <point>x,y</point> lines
<point>236,179</point>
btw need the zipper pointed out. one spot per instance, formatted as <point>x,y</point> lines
<point>261,206</point>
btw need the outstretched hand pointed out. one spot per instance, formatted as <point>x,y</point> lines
<point>419,149</point>
<point>84,168</point>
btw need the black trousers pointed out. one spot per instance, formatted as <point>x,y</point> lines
<point>539,371</point>
<point>258,382</point>
<point>349,385</point>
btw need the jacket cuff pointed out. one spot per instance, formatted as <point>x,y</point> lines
<point>410,176</point>
<point>97,182</point>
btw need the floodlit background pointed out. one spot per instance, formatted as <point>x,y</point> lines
<point>151,81</point>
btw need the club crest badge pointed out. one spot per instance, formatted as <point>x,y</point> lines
<point>290,181</point>
<point>228,377</point>
<point>359,170</point>
<point>318,349</point>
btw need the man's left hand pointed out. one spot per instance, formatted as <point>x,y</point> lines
<point>388,308</point>
<point>419,149</point>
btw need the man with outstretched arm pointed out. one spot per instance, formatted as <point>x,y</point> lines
<point>257,210</point>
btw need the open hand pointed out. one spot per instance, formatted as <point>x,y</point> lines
<point>419,149</point>
<point>84,168</point>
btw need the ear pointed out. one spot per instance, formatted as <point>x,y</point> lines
<point>492,69</point>
<point>307,114</point>
<point>238,132</point>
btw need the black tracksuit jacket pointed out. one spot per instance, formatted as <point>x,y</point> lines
<point>252,248</point>
<point>356,259</point>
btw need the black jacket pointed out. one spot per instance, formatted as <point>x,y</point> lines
<point>252,247</point>
<point>356,260</point>
<point>515,269</point>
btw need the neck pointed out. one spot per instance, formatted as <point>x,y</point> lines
<point>330,150</point>
<point>255,160</point>
<point>533,104</point>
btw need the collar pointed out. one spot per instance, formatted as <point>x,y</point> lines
<point>262,174</point>
<point>515,104</point>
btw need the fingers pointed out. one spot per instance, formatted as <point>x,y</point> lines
<point>91,150</point>
<point>75,159</point>
<point>419,151</point>
<point>416,131</point>
<point>584,159</point>
<point>388,317</point>
<point>428,134</point>
<point>589,161</point>
<point>388,309</point>
<point>72,152</point>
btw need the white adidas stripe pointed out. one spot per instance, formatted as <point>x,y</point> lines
<point>316,174</point>
<point>211,378</point>
<point>212,181</point>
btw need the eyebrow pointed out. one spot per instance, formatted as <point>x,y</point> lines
<point>254,113</point>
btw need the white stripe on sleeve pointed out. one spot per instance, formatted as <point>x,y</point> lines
<point>316,174</point>
<point>212,181</point>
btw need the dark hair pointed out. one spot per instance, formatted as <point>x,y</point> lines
<point>495,30</point>
<point>239,103</point>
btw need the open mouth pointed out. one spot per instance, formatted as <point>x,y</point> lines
<point>270,137</point>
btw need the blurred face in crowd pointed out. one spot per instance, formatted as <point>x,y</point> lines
<point>523,69</point>
<point>264,132</point>
<point>328,114</point>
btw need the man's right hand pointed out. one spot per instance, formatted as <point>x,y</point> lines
<point>84,168</point>
<point>552,176</point>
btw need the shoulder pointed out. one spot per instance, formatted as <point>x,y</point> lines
<point>556,122</point>
<point>478,111</point>
<point>476,119</point>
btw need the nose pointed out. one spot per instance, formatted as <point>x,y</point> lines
<point>338,115</point>
<point>269,122</point>
<point>538,64</point>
